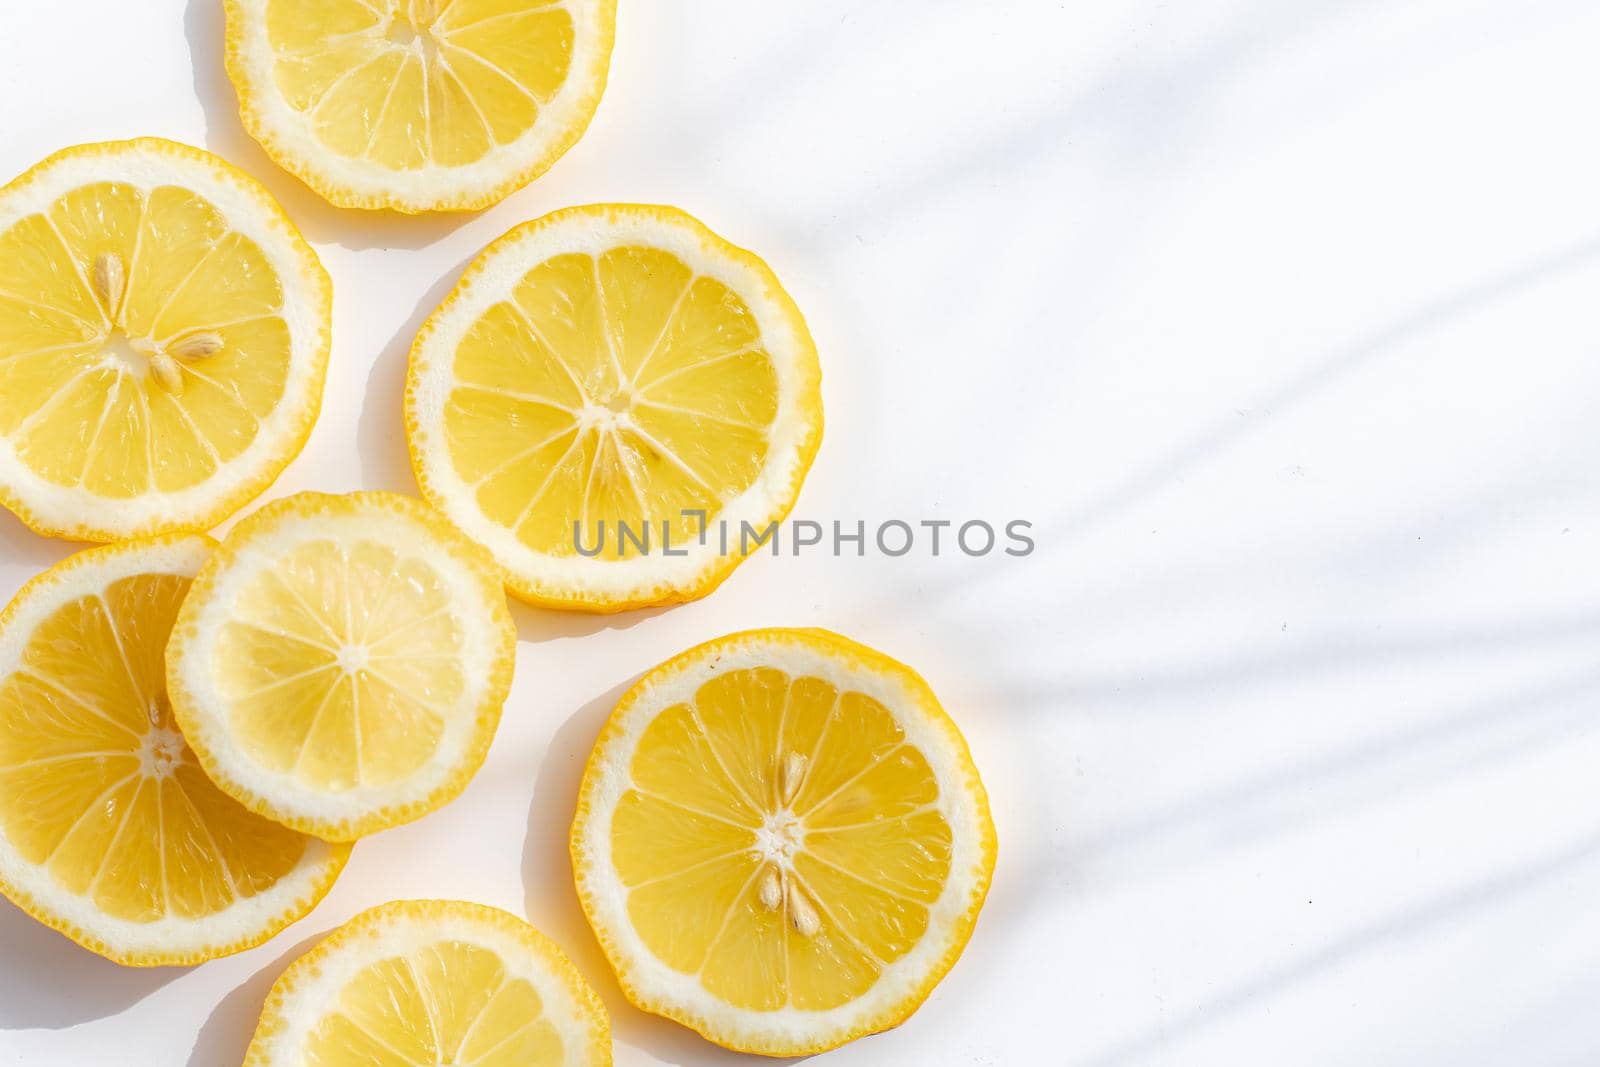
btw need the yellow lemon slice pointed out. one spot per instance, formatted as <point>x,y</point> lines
<point>109,831</point>
<point>418,983</point>
<point>781,841</point>
<point>163,341</point>
<point>612,368</point>
<point>418,105</point>
<point>340,664</point>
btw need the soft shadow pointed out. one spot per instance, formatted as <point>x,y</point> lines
<point>381,430</point>
<point>536,625</point>
<point>18,544</point>
<point>552,905</point>
<point>226,1032</point>
<point>203,26</point>
<point>53,984</point>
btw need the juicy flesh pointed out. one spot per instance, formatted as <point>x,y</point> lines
<point>405,84</point>
<point>618,389</point>
<point>858,847</point>
<point>339,664</point>
<point>78,402</point>
<point>448,1003</point>
<point>96,783</point>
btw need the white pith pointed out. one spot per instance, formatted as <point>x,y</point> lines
<point>249,211</point>
<point>287,132</point>
<point>389,932</point>
<point>245,921</point>
<point>660,987</point>
<point>481,644</point>
<point>491,279</point>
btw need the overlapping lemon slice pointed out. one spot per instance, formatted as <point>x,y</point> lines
<point>163,340</point>
<point>781,841</point>
<point>606,400</point>
<point>109,831</point>
<point>418,105</point>
<point>419,983</point>
<point>340,664</point>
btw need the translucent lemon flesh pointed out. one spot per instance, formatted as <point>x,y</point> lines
<point>404,84</point>
<point>715,811</point>
<point>78,400</point>
<point>447,1003</point>
<point>339,663</point>
<point>618,388</point>
<point>97,785</point>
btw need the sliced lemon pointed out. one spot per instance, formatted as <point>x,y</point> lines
<point>340,664</point>
<point>418,105</point>
<point>606,368</point>
<point>781,841</point>
<point>163,340</point>
<point>417,983</point>
<point>109,832</point>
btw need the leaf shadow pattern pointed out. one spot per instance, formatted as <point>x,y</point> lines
<point>1454,909</point>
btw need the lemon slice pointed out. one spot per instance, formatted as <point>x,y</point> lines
<point>781,841</point>
<point>418,105</point>
<point>109,832</point>
<point>606,366</point>
<point>163,341</point>
<point>417,983</point>
<point>340,664</point>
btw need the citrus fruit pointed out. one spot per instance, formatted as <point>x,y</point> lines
<point>163,340</point>
<point>607,369</point>
<point>781,841</point>
<point>109,832</point>
<point>417,983</point>
<point>340,663</point>
<point>418,105</point>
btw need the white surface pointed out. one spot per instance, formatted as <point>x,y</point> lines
<point>1278,318</point>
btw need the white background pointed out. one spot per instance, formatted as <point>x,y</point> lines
<point>1278,318</point>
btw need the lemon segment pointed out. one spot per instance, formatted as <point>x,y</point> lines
<point>606,389</point>
<point>421,983</point>
<point>781,841</point>
<point>163,340</point>
<point>418,105</point>
<point>109,831</point>
<point>342,662</point>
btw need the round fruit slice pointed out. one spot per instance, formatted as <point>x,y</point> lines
<point>418,105</point>
<point>340,663</point>
<point>163,341</point>
<point>617,403</point>
<point>415,983</point>
<point>109,831</point>
<point>781,841</point>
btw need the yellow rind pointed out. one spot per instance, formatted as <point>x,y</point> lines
<point>185,703</point>
<point>338,854</point>
<point>342,195</point>
<point>272,1019</point>
<point>664,593</point>
<point>868,659</point>
<point>249,488</point>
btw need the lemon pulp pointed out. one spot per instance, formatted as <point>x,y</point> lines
<point>336,661</point>
<point>100,788</point>
<point>407,84</point>
<point>449,1002</point>
<point>858,839</point>
<point>78,401</point>
<point>611,388</point>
